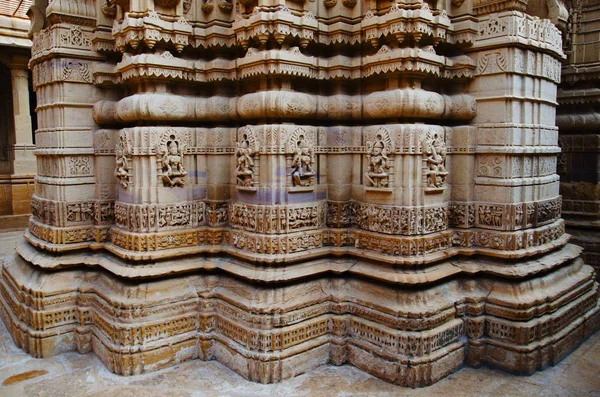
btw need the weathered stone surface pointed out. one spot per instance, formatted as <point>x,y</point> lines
<point>17,159</point>
<point>282,185</point>
<point>579,161</point>
<point>265,332</point>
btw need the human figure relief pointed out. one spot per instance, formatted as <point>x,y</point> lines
<point>436,159</point>
<point>378,163</point>
<point>172,164</point>
<point>302,165</point>
<point>122,167</point>
<point>244,169</point>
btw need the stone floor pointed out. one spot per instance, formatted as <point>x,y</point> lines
<point>72,374</point>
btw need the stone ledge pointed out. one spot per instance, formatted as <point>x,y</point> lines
<point>269,333</point>
<point>439,266</point>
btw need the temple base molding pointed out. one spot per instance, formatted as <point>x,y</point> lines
<point>268,331</point>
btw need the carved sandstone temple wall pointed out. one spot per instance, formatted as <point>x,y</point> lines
<point>579,123</point>
<point>282,184</point>
<point>17,159</point>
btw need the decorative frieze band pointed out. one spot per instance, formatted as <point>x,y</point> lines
<point>153,217</point>
<point>507,217</point>
<point>399,220</point>
<point>581,207</point>
<point>252,243</point>
<point>61,213</point>
<point>62,70</point>
<point>509,241</point>
<point>277,219</point>
<point>512,27</point>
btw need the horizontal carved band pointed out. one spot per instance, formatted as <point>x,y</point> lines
<point>245,244</point>
<point>152,217</point>
<point>277,219</point>
<point>350,311</point>
<point>414,103</point>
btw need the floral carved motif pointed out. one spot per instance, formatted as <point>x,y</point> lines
<point>75,37</point>
<point>76,71</point>
<point>80,166</point>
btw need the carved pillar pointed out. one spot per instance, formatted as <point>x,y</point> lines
<point>517,204</point>
<point>18,184</point>
<point>578,120</point>
<point>63,206</point>
<point>24,160</point>
<point>515,191</point>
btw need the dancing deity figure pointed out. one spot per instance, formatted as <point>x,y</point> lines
<point>172,165</point>
<point>378,164</point>
<point>436,159</point>
<point>122,166</point>
<point>244,169</point>
<point>302,165</point>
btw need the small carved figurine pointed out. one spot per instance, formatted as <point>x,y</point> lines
<point>378,167</point>
<point>244,170</point>
<point>122,166</point>
<point>302,172</point>
<point>436,160</point>
<point>172,164</point>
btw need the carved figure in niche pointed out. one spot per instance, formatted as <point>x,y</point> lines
<point>302,164</point>
<point>378,163</point>
<point>172,164</point>
<point>435,157</point>
<point>123,168</point>
<point>244,169</point>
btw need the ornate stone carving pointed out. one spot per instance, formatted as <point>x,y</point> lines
<point>377,163</point>
<point>80,166</point>
<point>187,5</point>
<point>247,155</point>
<point>76,71</point>
<point>358,117</point>
<point>170,153</point>
<point>123,164</point>
<point>303,161</point>
<point>434,153</point>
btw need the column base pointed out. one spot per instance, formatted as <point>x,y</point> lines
<point>411,335</point>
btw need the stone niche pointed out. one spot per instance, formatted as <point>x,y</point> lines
<point>279,186</point>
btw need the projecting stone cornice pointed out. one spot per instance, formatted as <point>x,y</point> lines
<point>258,267</point>
<point>422,62</point>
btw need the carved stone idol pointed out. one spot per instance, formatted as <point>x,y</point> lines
<point>123,167</point>
<point>435,157</point>
<point>302,165</point>
<point>173,173</point>
<point>245,164</point>
<point>378,163</point>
